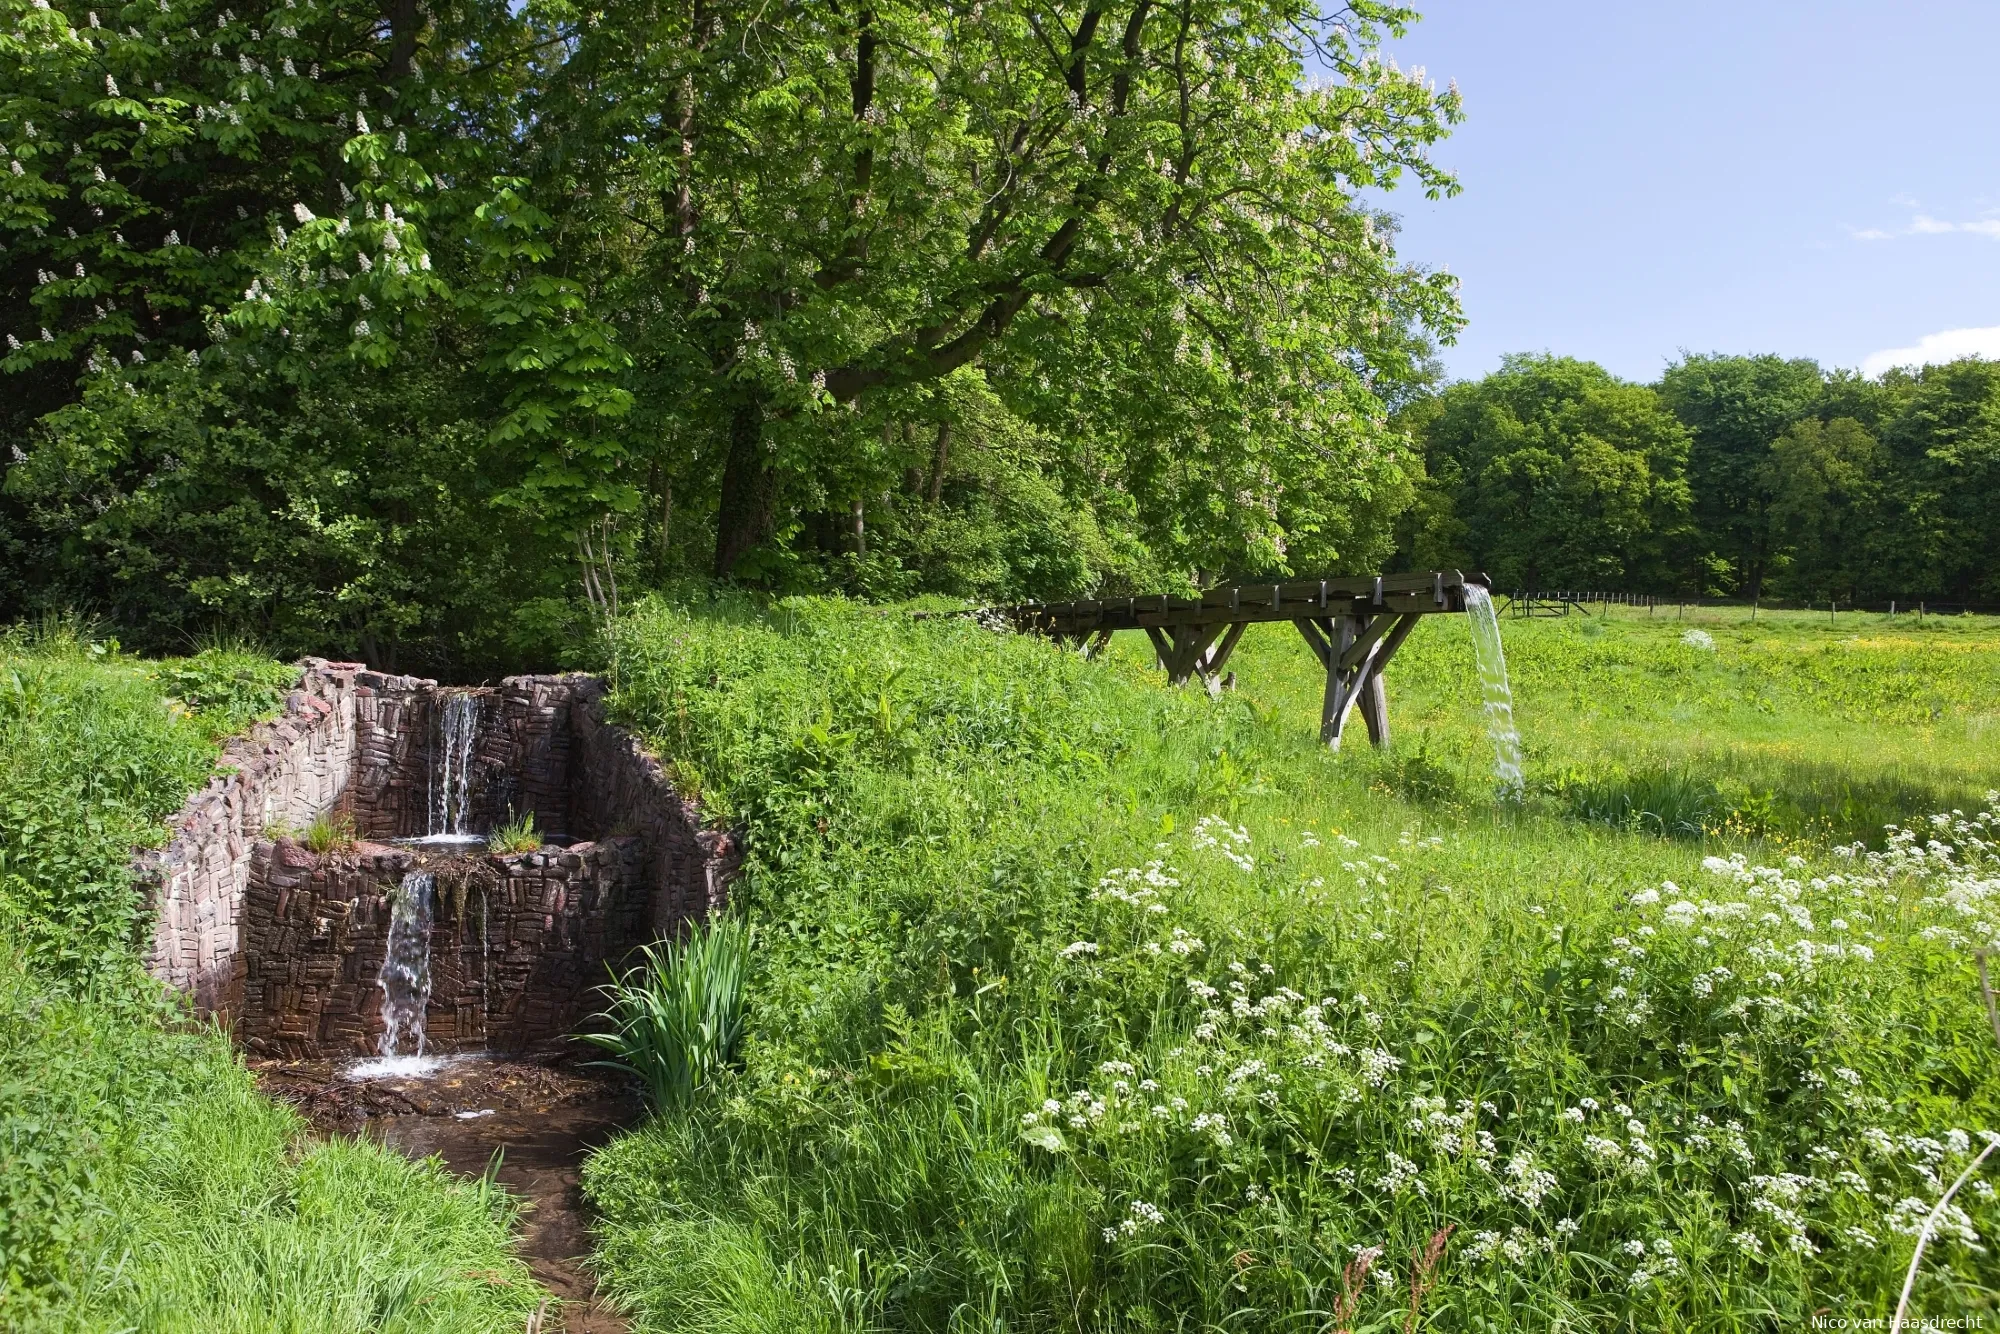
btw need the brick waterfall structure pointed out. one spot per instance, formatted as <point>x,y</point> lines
<point>285,944</point>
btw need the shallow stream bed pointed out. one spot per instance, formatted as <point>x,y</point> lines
<point>542,1114</point>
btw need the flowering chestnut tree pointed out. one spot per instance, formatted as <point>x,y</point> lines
<point>1142,220</point>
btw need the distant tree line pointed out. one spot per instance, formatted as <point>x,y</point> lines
<point>1746,476</point>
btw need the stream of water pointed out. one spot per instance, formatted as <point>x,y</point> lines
<point>1493,689</point>
<point>451,764</point>
<point>405,978</point>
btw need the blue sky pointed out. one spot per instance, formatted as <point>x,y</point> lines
<point>1817,179</point>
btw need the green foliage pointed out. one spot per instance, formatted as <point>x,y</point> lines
<point>145,1185</point>
<point>516,834</point>
<point>1824,482</point>
<point>1734,407</point>
<point>675,1020</point>
<point>1673,803</point>
<point>229,687</point>
<point>1786,480</point>
<point>343,512</point>
<point>1087,1004</point>
<point>369,321</point>
<point>1555,475</point>
<point>92,760</point>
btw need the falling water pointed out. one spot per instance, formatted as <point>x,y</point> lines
<point>451,764</point>
<point>406,968</point>
<point>1493,687</point>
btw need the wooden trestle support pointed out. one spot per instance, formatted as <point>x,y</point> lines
<point>1354,626</point>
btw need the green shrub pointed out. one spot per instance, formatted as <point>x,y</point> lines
<point>518,834</point>
<point>1669,802</point>
<point>91,763</point>
<point>228,686</point>
<point>674,1021</point>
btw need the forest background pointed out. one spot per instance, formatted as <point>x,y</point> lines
<point>425,333</point>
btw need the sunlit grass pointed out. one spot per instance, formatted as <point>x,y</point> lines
<point>1804,731</point>
<point>989,876</point>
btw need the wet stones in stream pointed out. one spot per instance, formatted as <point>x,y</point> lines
<point>545,1113</point>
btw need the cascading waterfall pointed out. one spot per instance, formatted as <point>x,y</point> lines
<point>1493,688</point>
<point>451,764</point>
<point>405,978</point>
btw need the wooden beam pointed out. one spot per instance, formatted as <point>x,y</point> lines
<point>1364,643</point>
<point>1373,693</point>
<point>1316,637</point>
<point>1339,680</point>
<point>1434,591</point>
<point>1353,627</point>
<point>1212,661</point>
<point>1190,646</point>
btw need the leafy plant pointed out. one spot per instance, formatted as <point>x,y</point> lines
<point>518,834</point>
<point>330,832</point>
<point>674,1021</point>
<point>228,688</point>
<point>1049,988</point>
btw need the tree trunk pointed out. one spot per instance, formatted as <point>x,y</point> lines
<point>938,461</point>
<point>859,512</point>
<point>404,24</point>
<point>666,527</point>
<point>743,515</point>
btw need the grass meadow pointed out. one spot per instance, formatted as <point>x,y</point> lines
<point>1796,726</point>
<point>144,1184</point>
<point>1081,1003</point>
<point>1085,1004</point>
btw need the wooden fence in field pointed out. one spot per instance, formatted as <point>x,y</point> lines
<point>1566,603</point>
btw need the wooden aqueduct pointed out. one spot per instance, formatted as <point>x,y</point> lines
<point>1354,626</point>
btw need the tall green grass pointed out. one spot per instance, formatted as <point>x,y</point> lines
<point>144,1184</point>
<point>1085,1004</point>
<point>674,1020</point>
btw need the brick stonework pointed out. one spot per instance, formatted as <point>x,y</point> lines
<point>285,944</point>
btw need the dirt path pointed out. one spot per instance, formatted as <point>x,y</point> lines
<point>544,1117</point>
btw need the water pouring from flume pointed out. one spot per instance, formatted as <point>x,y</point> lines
<point>405,978</point>
<point>1493,689</point>
<point>451,764</point>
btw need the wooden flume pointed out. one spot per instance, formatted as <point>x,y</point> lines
<point>1353,625</point>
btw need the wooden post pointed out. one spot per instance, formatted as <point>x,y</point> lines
<point>1333,711</point>
<point>1354,650</point>
<point>1375,710</point>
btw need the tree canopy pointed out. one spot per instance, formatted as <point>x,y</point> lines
<point>627,279</point>
<point>1552,473</point>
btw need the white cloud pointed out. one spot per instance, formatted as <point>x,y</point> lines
<point>1933,349</point>
<point>1922,224</point>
